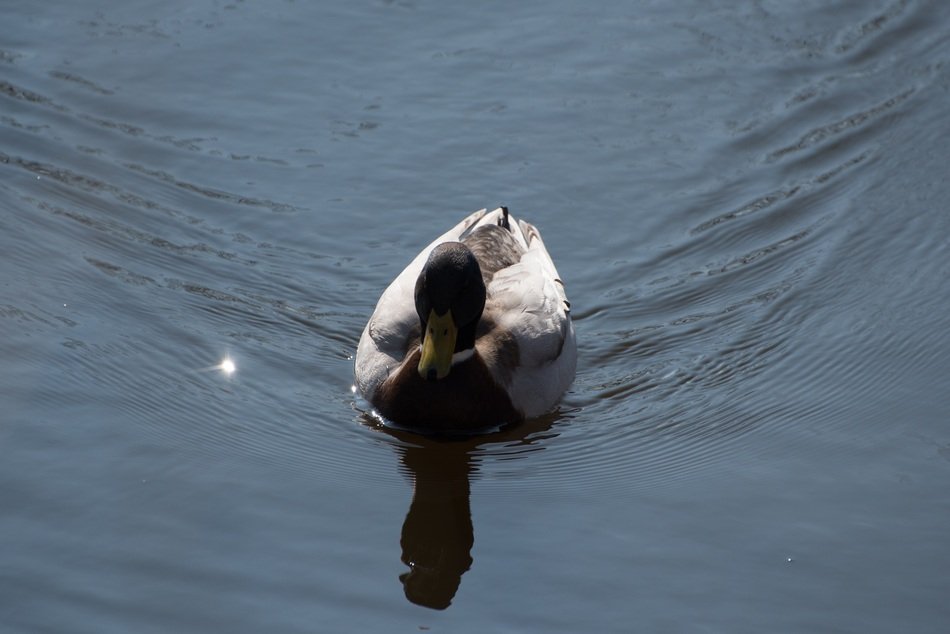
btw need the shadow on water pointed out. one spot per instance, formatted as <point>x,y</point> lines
<point>438,534</point>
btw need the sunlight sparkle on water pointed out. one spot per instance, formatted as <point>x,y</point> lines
<point>227,366</point>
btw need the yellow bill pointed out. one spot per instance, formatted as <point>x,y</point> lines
<point>438,346</point>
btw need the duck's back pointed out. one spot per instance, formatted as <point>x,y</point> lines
<point>494,247</point>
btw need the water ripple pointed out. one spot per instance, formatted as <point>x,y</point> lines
<point>849,124</point>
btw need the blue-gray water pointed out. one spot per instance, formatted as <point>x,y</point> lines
<point>748,202</point>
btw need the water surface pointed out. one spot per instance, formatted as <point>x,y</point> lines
<point>747,202</point>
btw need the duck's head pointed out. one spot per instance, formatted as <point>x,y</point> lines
<point>450,297</point>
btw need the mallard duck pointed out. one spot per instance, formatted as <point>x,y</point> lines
<point>474,334</point>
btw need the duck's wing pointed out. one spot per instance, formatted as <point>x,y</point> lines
<point>395,324</point>
<point>528,303</point>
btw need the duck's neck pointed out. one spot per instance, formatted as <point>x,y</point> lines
<point>459,357</point>
<point>463,355</point>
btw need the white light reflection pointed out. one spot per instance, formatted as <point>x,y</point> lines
<point>227,366</point>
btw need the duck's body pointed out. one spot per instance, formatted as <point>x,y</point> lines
<point>499,343</point>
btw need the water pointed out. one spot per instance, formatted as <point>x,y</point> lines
<point>748,205</point>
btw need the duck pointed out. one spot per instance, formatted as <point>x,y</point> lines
<point>474,334</point>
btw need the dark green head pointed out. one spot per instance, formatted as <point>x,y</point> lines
<point>450,297</point>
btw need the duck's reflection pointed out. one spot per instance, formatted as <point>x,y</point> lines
<point>437,534</point>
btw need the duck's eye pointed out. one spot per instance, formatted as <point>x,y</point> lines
<point>445,332</point>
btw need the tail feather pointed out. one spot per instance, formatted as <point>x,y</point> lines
<point>503,221</point>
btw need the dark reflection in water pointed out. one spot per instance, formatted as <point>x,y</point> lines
<point>438,534</point>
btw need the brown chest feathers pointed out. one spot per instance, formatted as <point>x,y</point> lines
<point>468,399</point>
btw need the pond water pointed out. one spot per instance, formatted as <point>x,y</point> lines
<point>748,204</point>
